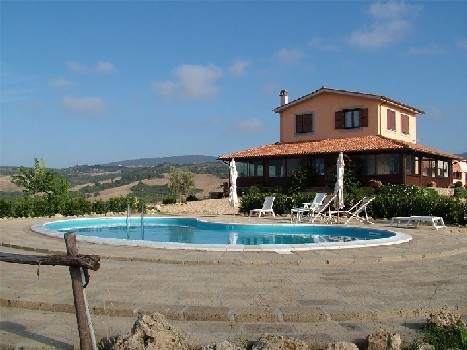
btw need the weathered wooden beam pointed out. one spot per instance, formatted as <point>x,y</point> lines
<point>91,262</point>
<point>85,331</point>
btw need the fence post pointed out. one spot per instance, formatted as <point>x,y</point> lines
<point>84,324</point>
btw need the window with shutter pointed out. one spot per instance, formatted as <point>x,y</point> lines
<point>352,118</point>
<point>364,117</point>
<point>340,120</point>
<point>405,124</point>
<point>391,120</point>
<point>303,123</point>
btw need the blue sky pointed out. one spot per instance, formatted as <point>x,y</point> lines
<point>83,82</point>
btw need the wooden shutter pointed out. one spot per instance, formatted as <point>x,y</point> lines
<point>307,122</point>
<point>391,120</point>
<point>364,117</point>
<point>340,120</point>
<point>299,123</point>
<point>405,124</point>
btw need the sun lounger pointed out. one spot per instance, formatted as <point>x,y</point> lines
<point>349,211</point>
<point>413,221</point>
<point>324,209</point>
<point>266,209</point>
<point>308,208</point>
<point>358,209</point>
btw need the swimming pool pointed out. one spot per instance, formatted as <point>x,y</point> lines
<point>193,233</point>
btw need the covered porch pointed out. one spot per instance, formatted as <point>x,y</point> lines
<point>408,168</point>
<point>368,157</point>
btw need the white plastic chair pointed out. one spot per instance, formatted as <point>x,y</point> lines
<point>267,207</point>
<point>308,207</point>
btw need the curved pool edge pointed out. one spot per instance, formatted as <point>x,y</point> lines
<point>398,238</point>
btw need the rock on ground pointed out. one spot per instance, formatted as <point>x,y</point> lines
<point>384,340</point>
<point>275,342</point>
<point>152,332</point>
<point>444,318</point>
<point>225,345</point>
<point>342,346</point>
<point>204,207</point>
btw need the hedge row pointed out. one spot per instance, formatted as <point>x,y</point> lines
<point>397,200</point>
<point>34,206</point>
<point>390,200</point>
<point>282,204</point>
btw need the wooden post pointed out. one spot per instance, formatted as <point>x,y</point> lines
<point>84,323</point>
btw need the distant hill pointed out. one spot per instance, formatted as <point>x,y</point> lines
<point>463,155</point>
<point>180,160</point>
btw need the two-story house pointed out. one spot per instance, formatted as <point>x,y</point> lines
<point>376,133</point>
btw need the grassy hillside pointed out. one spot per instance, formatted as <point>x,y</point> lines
<point>109,181</point>
<point>178,160</point>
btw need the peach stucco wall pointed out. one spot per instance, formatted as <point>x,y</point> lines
<point>324,107</point>
<point>411,137</point>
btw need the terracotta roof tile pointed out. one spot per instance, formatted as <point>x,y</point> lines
<point>346,145</point>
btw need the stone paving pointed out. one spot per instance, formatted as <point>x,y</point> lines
<point>325,295</point>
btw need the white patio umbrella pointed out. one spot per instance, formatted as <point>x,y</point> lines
<point>233,199</point>
<point>339,187</point>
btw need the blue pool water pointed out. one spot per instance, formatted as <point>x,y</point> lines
<point>194,231</point>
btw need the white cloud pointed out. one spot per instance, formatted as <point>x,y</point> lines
<point>390,23</point>
<point>165,88</point>
<point>426,50</point>
<point>380,34</point>
<point>288,55</point>
<point>238,67</point>
<point>60,83</point>
<point>85,104</point>
<point>250,125</point>
<point>462,44</point>
<point>319,43</point>
<point>76,67</point>
<point>99,67</point>
<point>392,9</point>
<point>195,81</point>
<point>105,67</point>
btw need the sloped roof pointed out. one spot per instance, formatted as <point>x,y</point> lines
<point>348,92</point>
<point>346,145</point>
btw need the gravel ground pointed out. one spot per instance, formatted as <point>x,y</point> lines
<point>204,207</point>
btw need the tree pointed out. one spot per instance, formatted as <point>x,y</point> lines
<point>40,180</point>
<point>181,182</point>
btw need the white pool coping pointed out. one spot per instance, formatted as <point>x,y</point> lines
<point>398,238</point>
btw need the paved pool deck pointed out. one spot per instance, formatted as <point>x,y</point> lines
<point>316,295</point>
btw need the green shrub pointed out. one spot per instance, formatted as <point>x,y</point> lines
<point>446,337</point>
<point>400,200</point>
<point>282,204</point>
<point>23,207</point>
<point>169,199</point>
<point>460,192</point>
<point>6,208</point>
<point>192,198</point>
<point>253,190</point>
<point>390,201</point>
<point>99,207</point>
